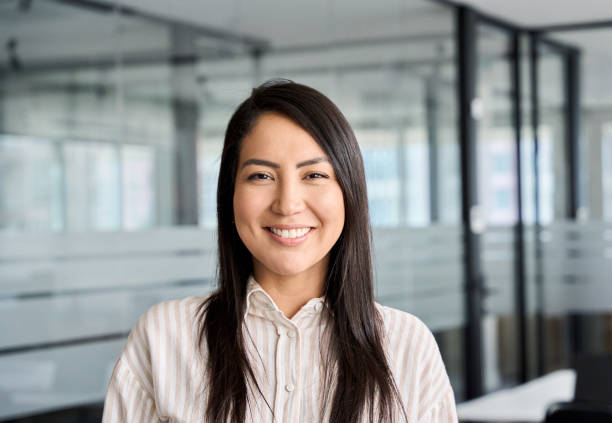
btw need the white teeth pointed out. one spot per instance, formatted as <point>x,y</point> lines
<point>290,233</point>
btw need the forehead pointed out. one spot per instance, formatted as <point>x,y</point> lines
<point>276,136</point>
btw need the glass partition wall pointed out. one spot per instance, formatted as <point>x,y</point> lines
<point>82,133</point>
<point>536,141</point>
<point>497,190</point>
<point>109,153</point>
<point>115,144</point>
<point>576,254</point>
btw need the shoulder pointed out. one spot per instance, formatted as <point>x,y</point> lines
<point>167,329</point>
<point>401,326</point>
<point>414,358</point>
<point>408,338</point>
<point>162,329</point>
<point>170,326</point>
<point>167,310</point>
<point>169,318</point>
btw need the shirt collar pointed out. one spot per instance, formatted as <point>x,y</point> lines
<point>259,303</point>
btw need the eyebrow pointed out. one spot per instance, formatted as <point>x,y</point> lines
<point>276,165</point>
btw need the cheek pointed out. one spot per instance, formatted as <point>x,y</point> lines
<point>330,208</point>
<point>248,205</point>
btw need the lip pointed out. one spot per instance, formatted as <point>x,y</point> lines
<point>288,227</point>
<point>290,242</point>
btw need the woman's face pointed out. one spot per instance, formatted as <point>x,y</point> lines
<point>288,205</point>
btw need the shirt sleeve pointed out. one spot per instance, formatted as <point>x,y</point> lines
<point>444,411</point>
<point>130,396</point>
<point>419,370</point>
<point>126,399</point>
<point>437,397</point>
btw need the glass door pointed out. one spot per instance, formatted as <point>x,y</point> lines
<point>493,110</point>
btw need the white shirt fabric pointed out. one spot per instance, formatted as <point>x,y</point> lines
<point>160,376</point>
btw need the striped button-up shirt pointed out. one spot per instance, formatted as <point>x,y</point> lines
<point>160,375</point>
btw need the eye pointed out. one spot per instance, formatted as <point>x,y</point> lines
<point>259,177</point>
<point>316,175</point>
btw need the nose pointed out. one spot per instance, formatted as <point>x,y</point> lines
<point>289,199</point>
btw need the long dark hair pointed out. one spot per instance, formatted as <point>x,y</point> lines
<point>363,378</point>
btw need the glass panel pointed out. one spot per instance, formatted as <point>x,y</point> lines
<point>138,173</point>
<point>596,106</point>
<point>92,186</point>
<point>209,161</point>
<point>497,191</point>
<point>576,256</point>
<point>66,90</point>
<point>379,148</point>
<point>552,202</point>
<point>30,185</point>
<point>551,135</point>
<point>418,187</point>
<point>86,144</point>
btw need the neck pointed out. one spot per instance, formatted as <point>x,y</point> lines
<point>290,292</point>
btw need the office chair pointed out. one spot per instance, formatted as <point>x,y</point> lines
<point>579,412</point>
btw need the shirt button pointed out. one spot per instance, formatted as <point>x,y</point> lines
<point>289,387</point>
<point>291,334</point>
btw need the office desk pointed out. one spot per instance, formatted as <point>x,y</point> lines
<point>523,403</point>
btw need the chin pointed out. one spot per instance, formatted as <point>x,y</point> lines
<point>285,267</point>
<point>287,270</point>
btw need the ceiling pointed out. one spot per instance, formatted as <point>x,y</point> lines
<point>256,17</point>
<point>544,12</point>
<point>45,31</point>
<point>286,23</point>
<point>298,22</point>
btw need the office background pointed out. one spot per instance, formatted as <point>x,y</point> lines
<point>486,131</point>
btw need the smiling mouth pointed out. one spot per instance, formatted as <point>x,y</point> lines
<point>290,233</point>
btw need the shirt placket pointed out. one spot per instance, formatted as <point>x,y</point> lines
<point>287,363</point>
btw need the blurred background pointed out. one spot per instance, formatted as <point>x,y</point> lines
<point>486,131</point>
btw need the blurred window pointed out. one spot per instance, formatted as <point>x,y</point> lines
<point>209,161</point>
<point>379,149</point>
<point>30,179</point>
<point>138,183</point>
<point>92,186</point>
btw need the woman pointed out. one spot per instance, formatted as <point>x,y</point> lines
<point>292,334</point>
